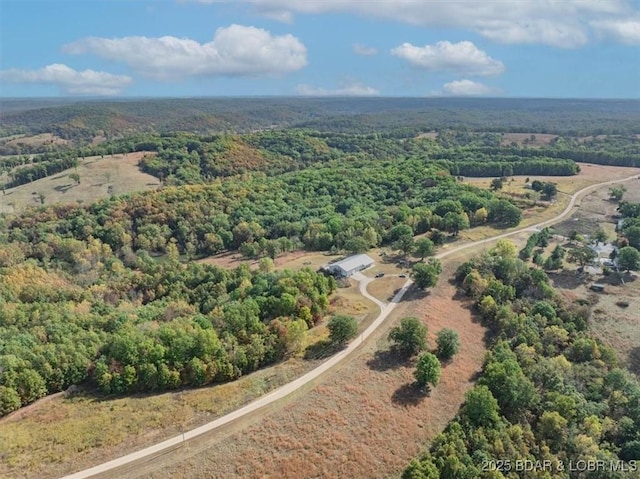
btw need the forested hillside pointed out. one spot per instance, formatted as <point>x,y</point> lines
<point>187,158</point>
<point>100,295</point>
<point>82,121</point>
<point>550,399</point>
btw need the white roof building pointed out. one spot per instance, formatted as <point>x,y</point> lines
<point>350,265</point>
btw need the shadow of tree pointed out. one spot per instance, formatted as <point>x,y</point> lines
<point>566,280</point>
<point>409,395</point>
<point>415,294</point>
<point>386,360</point>
<point>322,349</point>
<point>63,188</point>
<point>634,360</point>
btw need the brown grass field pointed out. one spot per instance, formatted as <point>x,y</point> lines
<point>99,178</point>
<point>362,420</point>
<point>36,140</point>
<point>567,185</point>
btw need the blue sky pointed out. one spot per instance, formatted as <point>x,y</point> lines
<point>176,48</point>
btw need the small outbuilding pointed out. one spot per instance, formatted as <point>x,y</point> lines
<point>348,266</point>
<point>599,287</point>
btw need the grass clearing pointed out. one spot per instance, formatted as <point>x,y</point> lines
<point>386,288</point>
<point>99,178</point>
<point>567,186</point>
<point>41,139</point>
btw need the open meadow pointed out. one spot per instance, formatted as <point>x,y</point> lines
<point>99,178</point>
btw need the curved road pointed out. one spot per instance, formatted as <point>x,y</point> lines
<point>283,391</point>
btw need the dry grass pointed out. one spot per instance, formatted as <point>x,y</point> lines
<point>541,139</point>
<point>617,326</point>
<point>37,140</point>
<point>294,260</point>
<point>589,174</point>
<point>99,178</point>
<point>567,186</point>
<point>65,434</point>
<point>386,288</point>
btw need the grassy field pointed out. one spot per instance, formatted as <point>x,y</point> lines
<point>36,140</point>
<point>567,186</point>
<point>99,178</point>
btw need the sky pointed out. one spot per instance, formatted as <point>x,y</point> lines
<point>407,48</point>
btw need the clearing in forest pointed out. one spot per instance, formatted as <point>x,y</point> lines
<point>99,178</point>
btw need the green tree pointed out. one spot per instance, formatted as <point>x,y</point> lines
<point>9,400</point>
<point>504,213</point>
<point>632,233</point>
<point>549,190</point>
<point>583,255</point>
<point>30,386</point>
<point>553,428</point>
<point>448,344</point>
<point>480,407</point>
<point>454,222</point>
<point>496,184</point>
<point>424,247</point>
<point>75,177</point>
<point>628,259</point>
<point>357,245</point>
<point>504,249</point>
<point>427,370</point>
<point>600,236</point>
<point>421,469</point>
<point>265,265</point>
<point>514,391</point>
<point>617,193</point>
<point>342,329</point>
<point>425,275</point>
<point>405,244</point>
<point>410,336</point>
<point>438,237</point>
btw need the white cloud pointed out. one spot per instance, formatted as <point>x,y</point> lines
<point>364,50</point>
<point>350,89</point>
<point>87,82</point>
<point>462,57</point>
<point>466,88</point>
<point>624,31</point>
<point>559,23</point>
<point>236,50</point>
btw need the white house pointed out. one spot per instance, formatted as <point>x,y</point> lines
<point>350,265</point>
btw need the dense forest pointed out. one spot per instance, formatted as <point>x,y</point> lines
<point>551,397</point>
<point>83,120</point>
